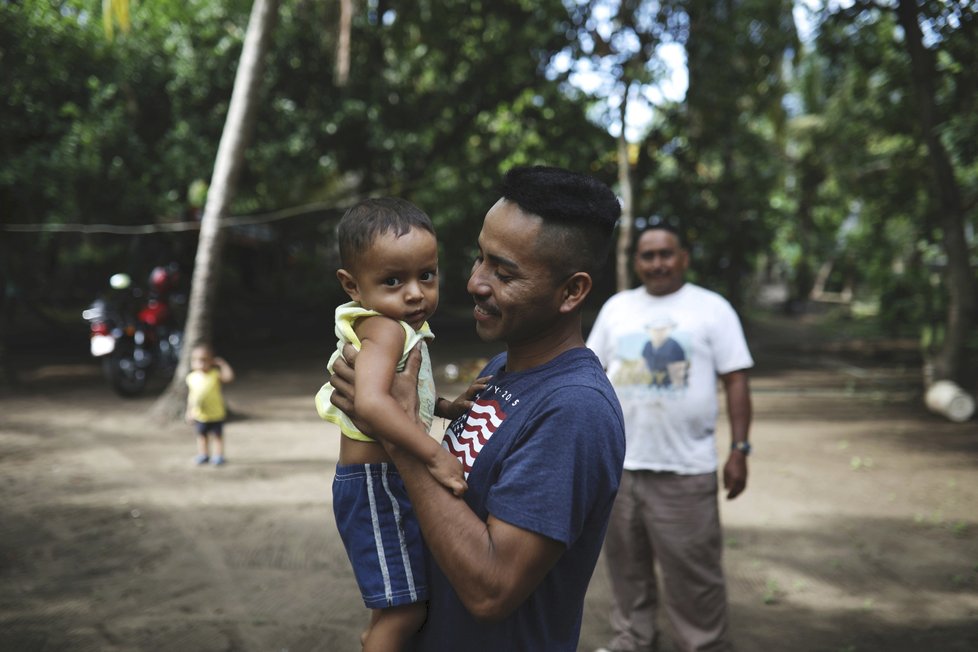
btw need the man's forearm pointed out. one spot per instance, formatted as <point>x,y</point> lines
<point>458,539</point>
<point>739,408</point>
<point>492,565</point>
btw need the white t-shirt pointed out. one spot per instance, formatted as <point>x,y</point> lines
<point>663,355</point>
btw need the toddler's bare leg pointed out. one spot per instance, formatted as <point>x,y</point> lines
<point>390,629</point>
<point>218,445</point>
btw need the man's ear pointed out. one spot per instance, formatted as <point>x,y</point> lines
<point>348,283</point>
<point>574,290</point>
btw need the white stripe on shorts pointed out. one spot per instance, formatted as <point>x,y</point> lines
<point>405,558</point>
<point>378,539</point>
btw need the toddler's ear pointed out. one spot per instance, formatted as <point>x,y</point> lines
<point>348,283</point>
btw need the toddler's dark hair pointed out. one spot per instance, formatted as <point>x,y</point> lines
<point>370,218</point>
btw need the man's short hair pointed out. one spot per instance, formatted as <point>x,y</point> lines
<point>659,224</point>
<point>363,222</point>
<point>579,214</point>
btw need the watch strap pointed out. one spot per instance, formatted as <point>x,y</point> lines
<point>742,446</point>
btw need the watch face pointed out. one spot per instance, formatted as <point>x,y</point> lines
<point>742,446</point>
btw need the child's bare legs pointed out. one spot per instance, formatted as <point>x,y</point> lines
<point>390,629</point>
<point>202,449</point>
<point>218,441</point>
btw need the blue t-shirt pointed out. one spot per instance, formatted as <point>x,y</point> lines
<point>543,450</point>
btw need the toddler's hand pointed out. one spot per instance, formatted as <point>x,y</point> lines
<point>447,470</point>
<point>454,409</point>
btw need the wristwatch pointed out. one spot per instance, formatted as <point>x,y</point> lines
<point>742,446</point>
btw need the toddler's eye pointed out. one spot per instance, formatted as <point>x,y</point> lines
<point>390,282</point>
<point>427,277</point>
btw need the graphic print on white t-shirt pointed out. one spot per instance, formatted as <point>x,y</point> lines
<point>481,421</point>
<point>656,358</point>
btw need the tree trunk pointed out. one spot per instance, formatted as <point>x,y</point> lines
<point>958,275</point>
<point>622,266</point>
<point>733,217</point>
<point>227,166</point>
<point>342,74</point>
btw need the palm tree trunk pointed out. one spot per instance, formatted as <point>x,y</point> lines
<point>959,275</point>
<point>227,167</point>
<point>622,266</point>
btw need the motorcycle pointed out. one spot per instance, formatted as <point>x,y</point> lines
<point>136,340</point>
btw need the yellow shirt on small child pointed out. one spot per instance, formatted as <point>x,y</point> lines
<point>204,396</point>
<point>346,317</point>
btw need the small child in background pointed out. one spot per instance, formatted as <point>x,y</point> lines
<point>205,402</point>
<point>389,258</point>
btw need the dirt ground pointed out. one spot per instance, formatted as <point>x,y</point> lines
<point>858,530</point>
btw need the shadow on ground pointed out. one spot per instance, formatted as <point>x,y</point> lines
<point>857,532</point>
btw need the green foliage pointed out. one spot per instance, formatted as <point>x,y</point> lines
<point>442,98</point>
<point>714,163</point>
<point>781,155</point>
<point>877,161</point>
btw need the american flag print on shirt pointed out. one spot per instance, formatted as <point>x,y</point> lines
<point>481,422</point>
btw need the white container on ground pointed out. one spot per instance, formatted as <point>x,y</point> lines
<point>948,399</point>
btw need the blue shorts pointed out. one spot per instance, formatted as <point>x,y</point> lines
<point>215,428</point>
<point>381,534</point>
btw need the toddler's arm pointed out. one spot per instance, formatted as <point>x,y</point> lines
<point>382,343</point>
<point>226,373</point>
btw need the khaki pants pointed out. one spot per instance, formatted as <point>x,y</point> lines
<point>672,521</point>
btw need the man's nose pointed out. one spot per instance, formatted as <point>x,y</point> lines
<point>477,285</point>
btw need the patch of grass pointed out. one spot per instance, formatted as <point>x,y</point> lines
<point>960,579</point>
<point>771,592</point>
<point>858,463</point>
<point>959,528</point>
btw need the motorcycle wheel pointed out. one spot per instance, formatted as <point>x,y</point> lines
<point>126,377</point>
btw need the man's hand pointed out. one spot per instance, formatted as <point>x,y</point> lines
<point>404,388</point>
<point>343,380</point>
<point>735,474</point>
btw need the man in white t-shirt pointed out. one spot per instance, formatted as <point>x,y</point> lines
<point>663,345</point>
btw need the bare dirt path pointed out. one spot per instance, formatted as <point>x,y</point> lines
<point>858,532</point>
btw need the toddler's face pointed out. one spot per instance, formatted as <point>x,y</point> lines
<point>398,277</point>
<point>201,359</point>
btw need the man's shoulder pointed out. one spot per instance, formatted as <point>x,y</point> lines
<point>620,304</point>
<point>700,293</point>
<point>584,381</point>
<point>626,296</point>
<point>574,371</point>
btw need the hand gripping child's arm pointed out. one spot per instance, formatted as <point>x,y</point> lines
<point>382,344</point>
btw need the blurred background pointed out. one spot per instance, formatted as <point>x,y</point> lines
<point>822,158</point>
